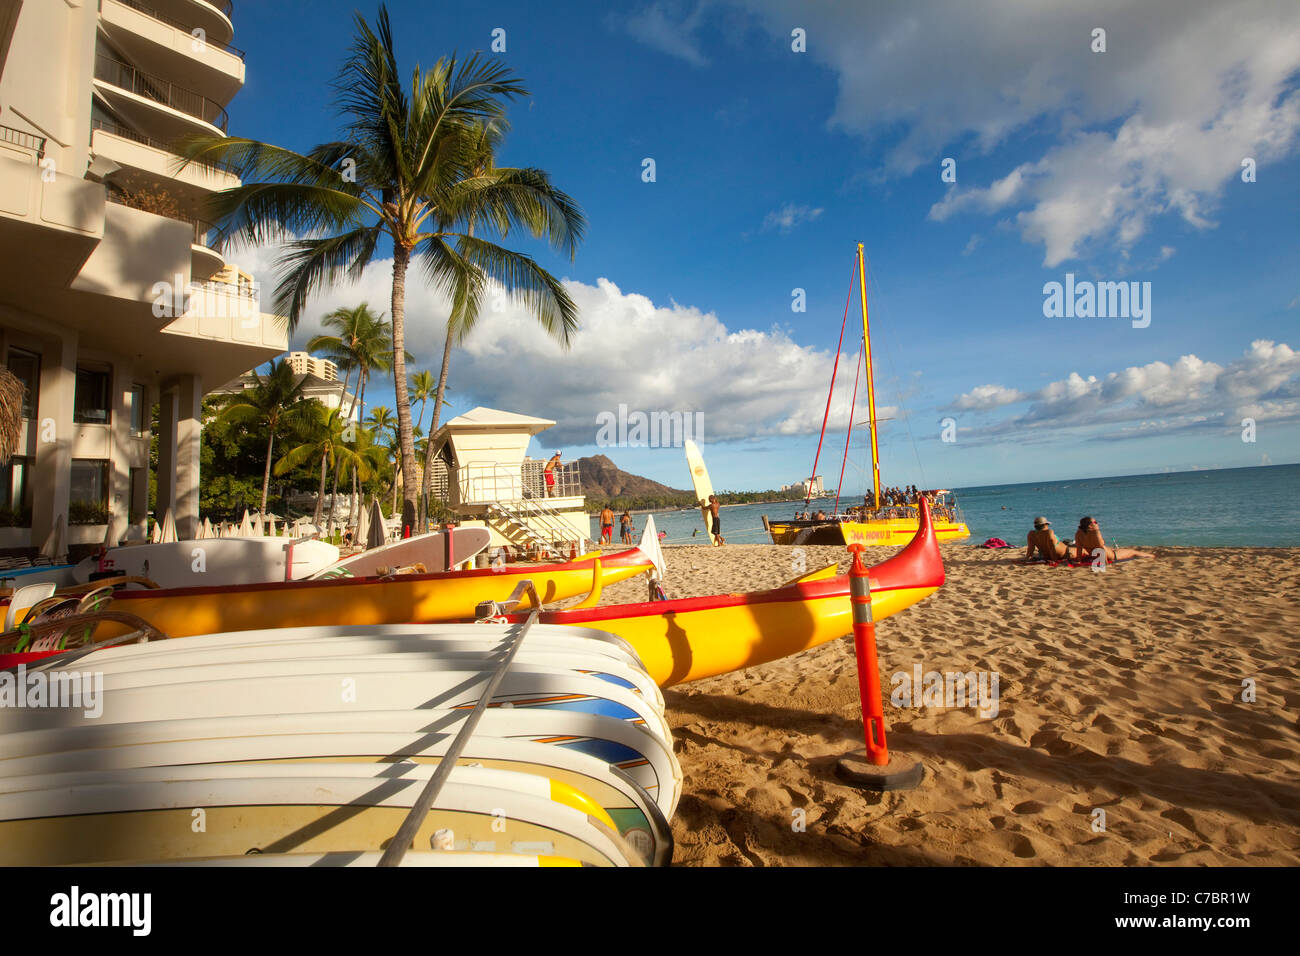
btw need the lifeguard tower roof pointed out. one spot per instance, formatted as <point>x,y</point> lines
<point>481,418</point>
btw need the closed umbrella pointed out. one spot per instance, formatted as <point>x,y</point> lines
<point>363,526</point>
<point>376,535</point>
<point>257,526</point>
<point>167,531</point>
<point>245,526</point>
<point>56,546</point>
<point>270,525</point>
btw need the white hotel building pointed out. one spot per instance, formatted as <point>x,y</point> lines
<point>113,296</point>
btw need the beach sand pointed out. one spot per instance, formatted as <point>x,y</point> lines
<point>1119,691</point>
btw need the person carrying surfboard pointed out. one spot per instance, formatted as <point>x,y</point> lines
<point>717,521</point>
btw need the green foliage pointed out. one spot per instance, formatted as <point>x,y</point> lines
<point>15,517</point>
<point>86,512</point>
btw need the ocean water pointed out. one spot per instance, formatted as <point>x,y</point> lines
<point>1235,507</point>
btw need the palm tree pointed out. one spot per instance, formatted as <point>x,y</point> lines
<point>422,386</point>
<point>485,138</point>
<point>364,341</point>
<point>403,172</point>
<point>381,422</point>
<point>326,436</point>
<point>270,403</point>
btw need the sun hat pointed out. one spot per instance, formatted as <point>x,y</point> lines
<point>1041,522</point>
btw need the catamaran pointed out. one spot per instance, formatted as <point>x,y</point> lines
<point>878,521</point>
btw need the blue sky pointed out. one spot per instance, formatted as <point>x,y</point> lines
<point>771,164</point>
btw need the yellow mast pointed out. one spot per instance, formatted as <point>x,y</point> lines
<point>871,383</point>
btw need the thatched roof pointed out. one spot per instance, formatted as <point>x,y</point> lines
<point>11,414</point>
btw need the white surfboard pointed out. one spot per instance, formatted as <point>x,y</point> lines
<point>429,550</point>
<point>311,807</point>
<point>215,562</point>
<point>700,481</point>
<point>635,814</point>
<point>628,747</point>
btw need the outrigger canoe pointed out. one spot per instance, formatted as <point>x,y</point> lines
<point>693,638</point>
<point>400,599</point>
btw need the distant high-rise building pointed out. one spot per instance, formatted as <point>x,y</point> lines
<point>304,363</point>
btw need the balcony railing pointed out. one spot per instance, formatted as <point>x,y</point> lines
<point>127,133</point>
<point>26,140</point>
<point>155,88</point>
<point>201,228</point>
<point>149,11</point>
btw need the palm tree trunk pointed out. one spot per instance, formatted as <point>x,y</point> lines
<point>266,478</point>
<point>401,259</point>
<point>437,413</point>
<point>334,497</point>
<point>320,495</point>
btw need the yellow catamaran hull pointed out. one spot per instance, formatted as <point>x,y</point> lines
<point>887,532</point>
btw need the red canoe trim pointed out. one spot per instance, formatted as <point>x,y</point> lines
<point>918,565</point>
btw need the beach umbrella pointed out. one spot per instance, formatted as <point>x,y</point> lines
<point>363,526</point>
<point>56,546</point>
<point>113,533</point>
<point>11,414</point>
<point>207,528</point>
<point>270,525</point>
<point>258,531</point>
<point>245,526</point>
<point>167,529</point>
<point>376,535</point>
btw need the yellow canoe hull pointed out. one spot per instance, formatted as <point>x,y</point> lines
<point>694,638</point>
<point>414,598</point>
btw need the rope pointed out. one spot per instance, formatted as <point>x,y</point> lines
<point>834,372</point>
<point>852,404</point>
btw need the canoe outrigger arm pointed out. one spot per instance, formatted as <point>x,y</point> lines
<point>490,610</point>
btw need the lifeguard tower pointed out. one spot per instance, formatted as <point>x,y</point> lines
<point>488,481</point>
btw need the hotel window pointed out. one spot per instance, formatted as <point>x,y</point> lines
<point>139,424</point>
<point>90,402</point>
<point>16,489</point>
<point>88,492</point>
<point>27,368</point>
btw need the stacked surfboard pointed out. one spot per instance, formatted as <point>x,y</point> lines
<point>309,746</point>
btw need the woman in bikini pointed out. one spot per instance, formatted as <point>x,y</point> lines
<point>1087,539</point>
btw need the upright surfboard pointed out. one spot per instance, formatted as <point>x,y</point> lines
<point>700,480</point>
<point>214,562</point>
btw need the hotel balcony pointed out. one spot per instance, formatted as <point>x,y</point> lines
<point>185,40</point>
<point>166,110</point>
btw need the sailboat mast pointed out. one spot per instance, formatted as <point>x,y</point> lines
<point>871,381</point>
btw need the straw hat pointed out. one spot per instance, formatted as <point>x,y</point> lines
<point>1040,523</point>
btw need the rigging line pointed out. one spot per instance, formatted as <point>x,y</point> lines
<point>839,487</point>
<point>834,372</point>
<point>906,416</point>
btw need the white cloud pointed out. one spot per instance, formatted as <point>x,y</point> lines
<point>988,396</point>
<point>662,27</point>
<point>1158,124</point>
<point>789,216</point>
<point>1264,384</point>
<point>750,383</point>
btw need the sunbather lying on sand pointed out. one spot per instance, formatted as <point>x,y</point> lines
<point>1042,540</point>
<point>1087,539</point>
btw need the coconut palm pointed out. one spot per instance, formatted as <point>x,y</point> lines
<point>326,435</point>
<point>402,173</point>
<point>363,342</point>
<point>422,387</point>
<point>485,137</point>
<point>272,402</point>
